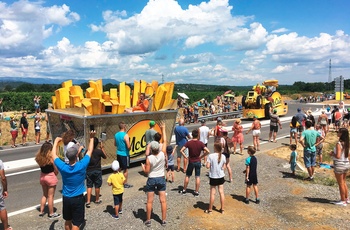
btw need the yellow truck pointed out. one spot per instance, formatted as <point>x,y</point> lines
<point>261,98</point>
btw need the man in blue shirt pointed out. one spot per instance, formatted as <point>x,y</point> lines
<point>73,178</point>
<point>121,141</point>
<point>181,135</point>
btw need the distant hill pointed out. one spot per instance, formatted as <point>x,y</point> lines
<point>21,80</point>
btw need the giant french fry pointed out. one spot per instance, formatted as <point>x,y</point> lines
<point>96,87</point>
<point>159,98</point>
<point>76,90</point>
<point>122,93</point>
<point>127,96</point>
<point>113,94</point>
<point>135,93</point>
<point>143,85</point>
<point>62,96</point>
<point>67,84</point>
<point>170,89</point>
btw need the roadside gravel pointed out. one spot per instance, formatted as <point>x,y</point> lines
<point>286,203</point>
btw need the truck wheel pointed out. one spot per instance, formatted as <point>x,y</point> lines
<point>243,101</point>
<point>258,101</point>
<point>267,111</point>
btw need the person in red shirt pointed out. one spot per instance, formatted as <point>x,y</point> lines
<point>195,148</point>
<point>142,104</point>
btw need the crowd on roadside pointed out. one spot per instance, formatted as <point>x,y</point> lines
<point>192,149</point>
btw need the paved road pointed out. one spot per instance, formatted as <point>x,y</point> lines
<point>23,177</point>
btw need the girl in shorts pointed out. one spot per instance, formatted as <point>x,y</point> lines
<point>294,125</point>
<point>216,163</point>
<point>256,126</point>
<point>48,179</point>
<point>340,156</point>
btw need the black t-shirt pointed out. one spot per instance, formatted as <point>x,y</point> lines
<point>24,121</point>
<point>95,161</point>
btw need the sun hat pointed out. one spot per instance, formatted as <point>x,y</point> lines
<point>12,116</point>
<point>309,111</point>
<point>115,165</point>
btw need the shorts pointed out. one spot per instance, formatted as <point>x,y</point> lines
<point>216,181</point>
<point>309,158</point>
<point>293,165</point>
<point>179,154</point>
<point>197,169</point>
<point>329,121</point>
<point>319,149</point>
<point>337,123</point>
<point>24,132</point>
<point>117,198</point>
<point>341,167</point>
<point>94,178</point>
<point>74,209</point>
<point>300,129</point>
<point>2,203</point>
<point>293,130</point>
<point>48,179</point>
<point>14,133</point>
<point>170,168</point>
<point>37,131</point>
<point>227,155</point>
<point>156,184</point>
<point>256,132</point>
<point>252,180</point>
<point>124,161</point>
<point>273,128</point>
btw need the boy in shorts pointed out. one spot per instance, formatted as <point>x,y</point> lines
<point>293,158</point>
<point>171,167</point>
<point>251,176</point>
<point>117,180</point>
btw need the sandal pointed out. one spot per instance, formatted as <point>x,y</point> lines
<point>98,202</point>
<point>42,214</point>
<point>208,211</point>
<point>87,205</point>
<point>222,211</point>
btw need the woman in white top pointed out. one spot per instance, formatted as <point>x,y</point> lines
<point>341,165</point>
<point>154,167</point>
<point>216,162</point>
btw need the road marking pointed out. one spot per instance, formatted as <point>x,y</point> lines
<point>22,172</point>
<point>35,207</point>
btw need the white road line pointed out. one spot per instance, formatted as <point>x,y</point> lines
<point>22,172</point>
<point>21,211</point>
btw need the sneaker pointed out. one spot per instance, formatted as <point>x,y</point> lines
<point>128,186</point>
<point>246,201</point>
<point>87,205</point>
<point>98,202</point>
<point>42,214</point>
<point>53,216</point>
<point>196,194</point>
<point>340,203</point>
<point>347,201</point>
<point>183,192</point>
<point>120,212</point>
<point>148,223</point>
<point>257,201</point>
<point>163,223</point>
<point>115,217</point>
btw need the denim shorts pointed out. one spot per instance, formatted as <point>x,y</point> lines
<point>179,154</point>
<point>197,169</point>
<point>124,161</point>
<point>156,184</point>
<point>94,178</point>
<point>309,158</point>
<point>117,198</point>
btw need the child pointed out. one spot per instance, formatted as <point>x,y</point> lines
<point>251,177</point>
<point>216,162</point>
<point>117,180</point>
<point>319,147</point>
<point>170,169</point>
<point>293,158</point>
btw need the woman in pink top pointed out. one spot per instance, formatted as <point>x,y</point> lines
<point>237,137</point>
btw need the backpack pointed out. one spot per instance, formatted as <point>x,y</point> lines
<point>229,146</point>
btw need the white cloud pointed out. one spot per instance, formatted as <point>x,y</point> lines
<point>282,69</point>
<point>24,25</point>
<point>280,30</point>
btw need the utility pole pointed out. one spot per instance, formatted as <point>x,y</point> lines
<point>330,71</point>
<point>162,78</point>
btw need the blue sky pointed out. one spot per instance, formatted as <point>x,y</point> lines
<point>221,42</point>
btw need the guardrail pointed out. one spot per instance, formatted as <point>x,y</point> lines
<point>226,115</point>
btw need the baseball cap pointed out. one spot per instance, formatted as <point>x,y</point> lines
<point>219,119</point>
<point>203,121</point>
<point>274,110</point>
<point>298,109</point>
<point>154,146</point>
<point>72,152</point>
<point>115,165</point>
<point>152,123</point>
<point>169,149</point>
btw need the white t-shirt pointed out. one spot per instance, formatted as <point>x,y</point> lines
<point>342,155</point>
<point>216,170</point>
<point>203,134</point>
